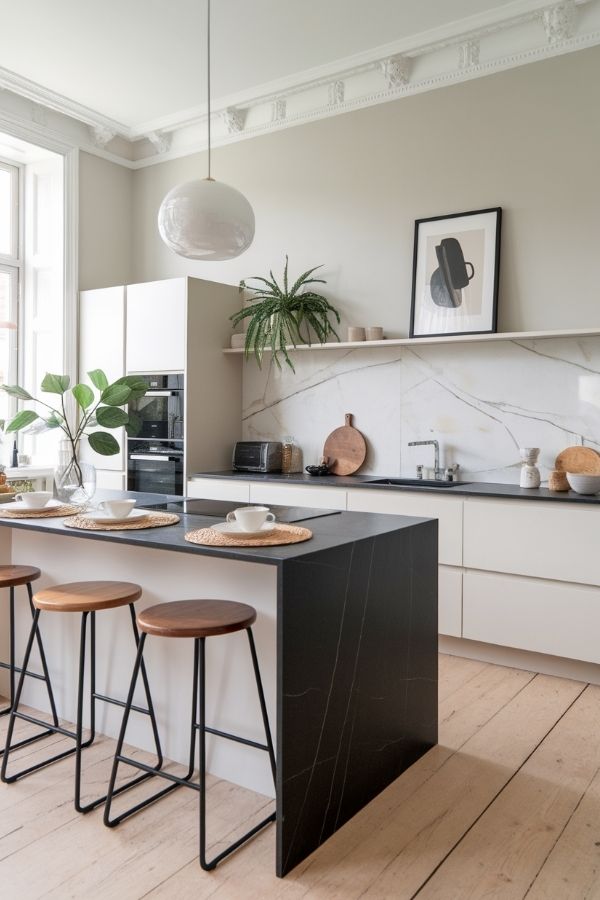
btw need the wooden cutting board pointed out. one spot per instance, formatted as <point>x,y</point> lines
<point>580,460</point>
<point>345,449</point>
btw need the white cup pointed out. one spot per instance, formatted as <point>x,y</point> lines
<point>34,499</point>
<point>250,518</point>
<point>117,509</point>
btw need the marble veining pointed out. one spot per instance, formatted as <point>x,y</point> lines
<point>481,401</point>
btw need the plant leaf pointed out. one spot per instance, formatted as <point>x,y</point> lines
<point>134,424</point>
<point>54,420</point>
<point>22,419</point>
<point>136,385</point>
<point>13,390</point>
<point>98,379</point>
<point>116,395</point>
<point>55,384</point>
<point>103,443</point>
<point>83,394</point>
<point>111,416</point>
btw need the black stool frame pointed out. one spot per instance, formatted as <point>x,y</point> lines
<point>77,735</point>
<point>13,668</point>
<point>198,724</point>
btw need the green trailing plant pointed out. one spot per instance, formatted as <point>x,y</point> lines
<point>280,316</point>
<point>104,409</point>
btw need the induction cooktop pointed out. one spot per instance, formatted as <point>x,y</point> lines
<point>218,509</point>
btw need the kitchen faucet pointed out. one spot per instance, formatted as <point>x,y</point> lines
<point>447,474</point>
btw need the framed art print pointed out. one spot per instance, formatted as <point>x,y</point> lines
<point>455,274</point>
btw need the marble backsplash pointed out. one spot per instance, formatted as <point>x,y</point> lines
<point>482,401</point>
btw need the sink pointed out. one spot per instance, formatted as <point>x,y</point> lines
<point>416,482</point>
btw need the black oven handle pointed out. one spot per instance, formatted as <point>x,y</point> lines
<point>154,457</point>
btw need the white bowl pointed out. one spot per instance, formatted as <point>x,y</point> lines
<point>584,484</point>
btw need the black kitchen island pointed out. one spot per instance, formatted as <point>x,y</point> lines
<point>354,622</point>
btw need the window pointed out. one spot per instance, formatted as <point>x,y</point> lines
<point>10,277</point>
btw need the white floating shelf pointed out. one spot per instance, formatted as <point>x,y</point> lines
<point>446,339</point>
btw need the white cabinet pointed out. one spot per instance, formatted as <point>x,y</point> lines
<point>297,495</point>
<point>219,489</point>
<point>156,326</point>
<point>450,599</point>
<point>558,541</point>
<point>448,510</point>
<point>102,346</point>
<point>551,617</point>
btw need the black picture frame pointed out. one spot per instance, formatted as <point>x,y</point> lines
<point>442,290</point>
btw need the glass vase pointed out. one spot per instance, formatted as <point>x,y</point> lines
<point>74,480</point>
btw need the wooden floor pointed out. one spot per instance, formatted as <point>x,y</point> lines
<point>507,805</point>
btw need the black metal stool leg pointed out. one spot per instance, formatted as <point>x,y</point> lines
<point>43,658</point>
<point>11,665</point>
<point>16,714</point>
<point>208,865</point>
<point>150,772</point>
<point>136,636</point>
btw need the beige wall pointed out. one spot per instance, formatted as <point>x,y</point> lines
<point>105,222</point>
<point>345,191</point>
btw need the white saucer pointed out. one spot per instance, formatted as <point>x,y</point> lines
<point>232,529</point>
<point>102,518</point>
<point>21,507</point>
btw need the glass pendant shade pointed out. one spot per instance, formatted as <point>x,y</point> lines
<point>206,219</point>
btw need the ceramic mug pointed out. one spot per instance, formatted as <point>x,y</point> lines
<point>34,499</point>
<point>117,509</point>
<point>250,518</point>
<point>356,333</point>
<point>374,333</point>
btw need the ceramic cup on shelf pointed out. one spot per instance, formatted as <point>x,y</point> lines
<point>356,333</point>
<point>34,499</point>
<point>118,509</point>
<point>250,518</point>
<point>374,333</point>
<point>530,474</point>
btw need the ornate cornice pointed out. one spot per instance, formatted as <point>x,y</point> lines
<point>518,33</point>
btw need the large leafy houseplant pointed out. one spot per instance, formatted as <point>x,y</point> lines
<point>104,410</point>
<point>280,316</point>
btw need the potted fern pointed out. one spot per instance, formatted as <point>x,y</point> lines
<point>281,316</point>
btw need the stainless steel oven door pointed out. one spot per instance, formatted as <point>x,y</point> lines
<point>155,473</point>
<point>160,415</point>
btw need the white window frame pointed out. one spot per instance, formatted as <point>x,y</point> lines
<point>12,264</point>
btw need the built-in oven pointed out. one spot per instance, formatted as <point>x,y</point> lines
<point>158,415</point>
<point>155,466</point>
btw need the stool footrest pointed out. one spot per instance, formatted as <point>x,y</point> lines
<point>18,669</point>
<point>232,737</point>
<point>53,729</point>
<point>121,703</point>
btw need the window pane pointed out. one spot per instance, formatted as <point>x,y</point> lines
<point>6,212</point>
<point>8,285</point>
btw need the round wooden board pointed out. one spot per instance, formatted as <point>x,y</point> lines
<point>345,449</point>
<point>579,460</point>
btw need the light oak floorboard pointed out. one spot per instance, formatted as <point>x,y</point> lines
<point>505,806</point>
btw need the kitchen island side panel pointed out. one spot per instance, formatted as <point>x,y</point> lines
<point>357,690</point>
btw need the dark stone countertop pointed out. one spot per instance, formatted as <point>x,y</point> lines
<point>331,529</point>
<point>472,489</point>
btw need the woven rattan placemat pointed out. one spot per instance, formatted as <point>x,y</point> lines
<point>43,513</point>
<point>152,520</point>
<point>281,534</point>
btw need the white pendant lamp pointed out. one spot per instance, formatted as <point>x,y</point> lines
<point>206,219</point>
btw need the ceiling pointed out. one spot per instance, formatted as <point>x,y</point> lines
<point>138,61</point>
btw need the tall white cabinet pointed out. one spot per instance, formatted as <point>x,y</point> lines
<point>174,325</point>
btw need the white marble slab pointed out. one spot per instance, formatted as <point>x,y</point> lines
<point>480,401</point>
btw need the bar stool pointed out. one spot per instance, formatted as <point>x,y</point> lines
<point>197,619</point>
<point>12,577</point>
<point>87,598</point>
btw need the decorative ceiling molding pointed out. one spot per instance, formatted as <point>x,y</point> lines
<point>515,34</point>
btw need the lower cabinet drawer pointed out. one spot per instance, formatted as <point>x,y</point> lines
<point>559,618</point>
<point>450,601</point>
<point>297,495</point>
<point>219,489</point>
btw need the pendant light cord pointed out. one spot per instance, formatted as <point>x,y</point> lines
<point>208,76</point>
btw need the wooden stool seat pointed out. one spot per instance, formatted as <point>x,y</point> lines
<point>13,576</point>
<point>196,618</point>
<point>87,596</point>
